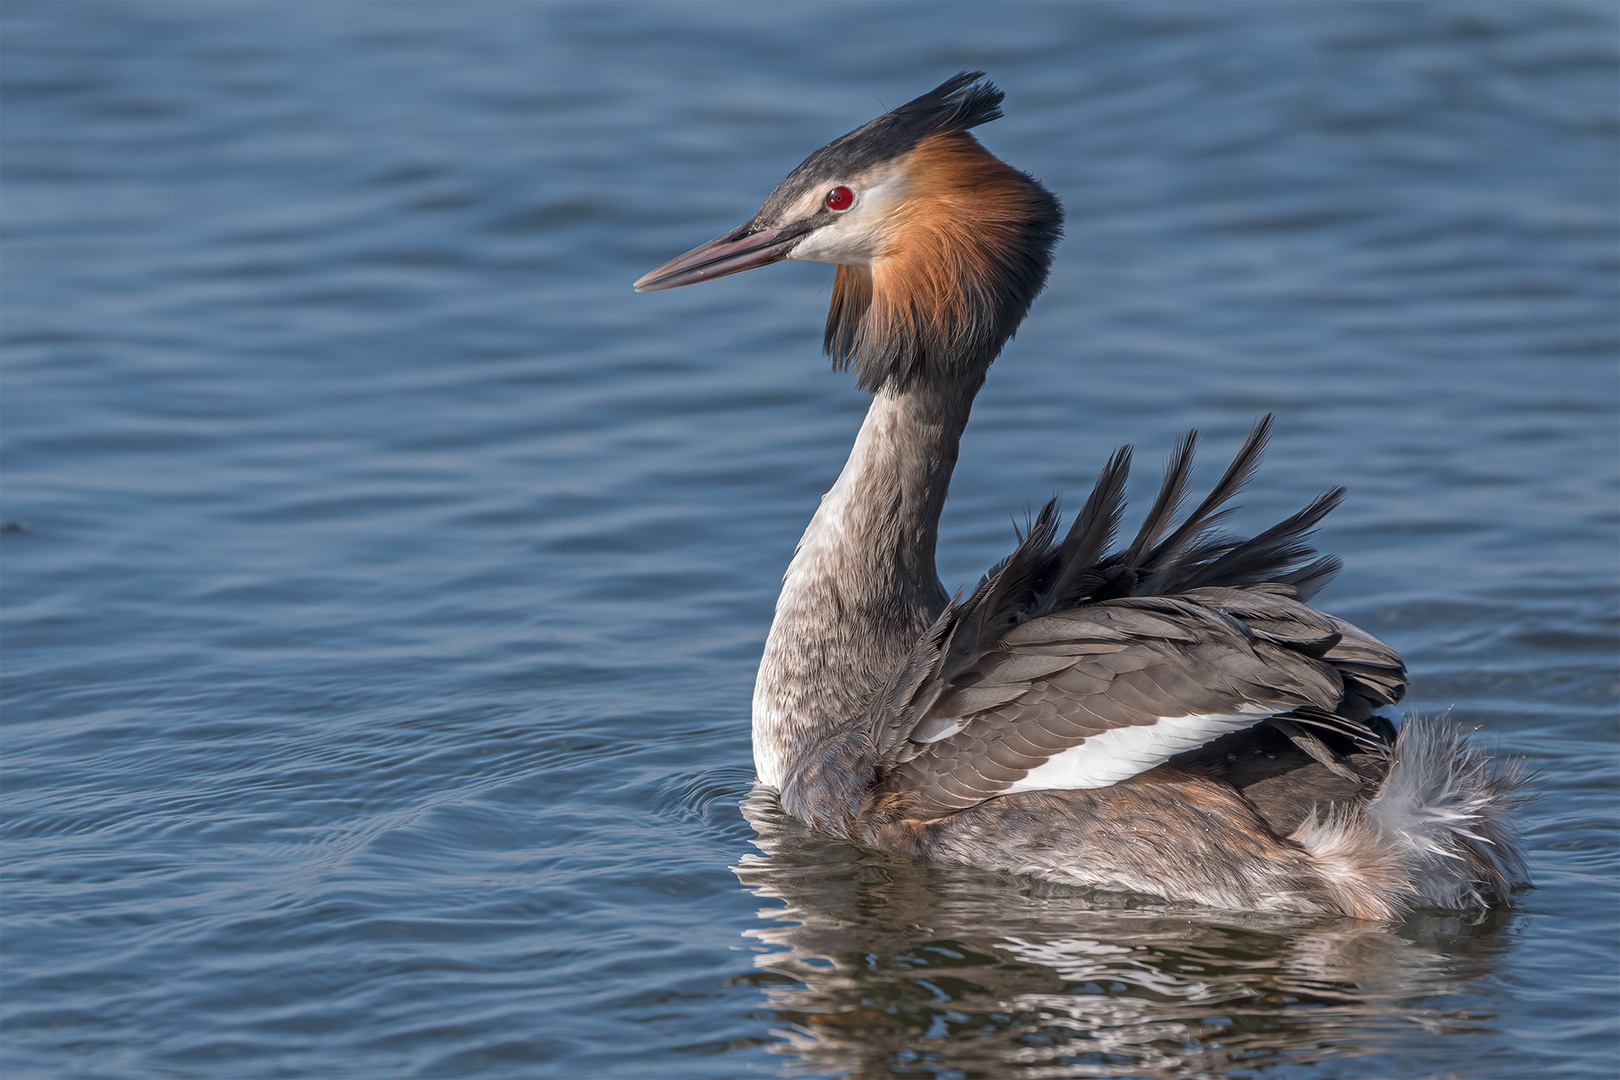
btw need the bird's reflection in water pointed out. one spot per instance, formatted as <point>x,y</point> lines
<point>879,967</point>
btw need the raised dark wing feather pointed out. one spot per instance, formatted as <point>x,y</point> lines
<point>1071,668</point>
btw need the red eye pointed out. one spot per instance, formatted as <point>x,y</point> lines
<point>840,198</point>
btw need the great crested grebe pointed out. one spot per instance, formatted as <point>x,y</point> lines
<point>1169,718</point>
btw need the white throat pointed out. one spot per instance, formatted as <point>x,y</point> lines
<point>862,586</point>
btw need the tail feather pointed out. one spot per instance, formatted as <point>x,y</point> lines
<point>1451,808</point>
<point>1444,814</point>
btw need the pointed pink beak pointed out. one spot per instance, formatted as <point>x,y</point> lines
<point>738,250</point>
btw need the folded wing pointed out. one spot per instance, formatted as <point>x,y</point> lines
<point>1071,668</point>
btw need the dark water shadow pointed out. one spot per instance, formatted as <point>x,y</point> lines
<point>880,967</point>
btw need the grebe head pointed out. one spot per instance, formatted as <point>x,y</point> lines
<point>940,246</point>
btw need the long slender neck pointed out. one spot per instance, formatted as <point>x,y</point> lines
<point>862,585</point>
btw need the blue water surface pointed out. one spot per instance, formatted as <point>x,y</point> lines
<point>384,580</point>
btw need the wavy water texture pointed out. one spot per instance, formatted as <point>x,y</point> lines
<point>384,581</point>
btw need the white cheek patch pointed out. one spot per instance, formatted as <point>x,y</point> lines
<point>1124,752</point>
<point>858,235</point>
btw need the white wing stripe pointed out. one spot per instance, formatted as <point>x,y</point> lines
<point>1123,752</point>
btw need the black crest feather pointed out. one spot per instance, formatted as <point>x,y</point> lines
<point>963,101</point>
